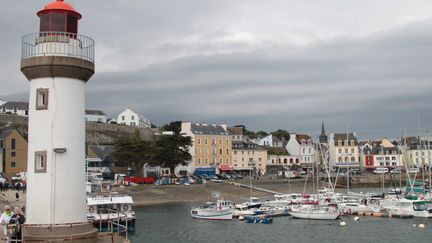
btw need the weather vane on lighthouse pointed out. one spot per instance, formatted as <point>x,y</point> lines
<point>58,62</point>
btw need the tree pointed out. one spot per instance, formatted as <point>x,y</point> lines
<point>280,133</point>
<point>174,126</point>
<point>172,150</point>
<point>134,152</point>
<point>261,134</point>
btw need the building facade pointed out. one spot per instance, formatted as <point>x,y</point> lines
<point>13,149</point>
<point>343,151</point>
<point>211,148</point>
<point>418,152</point>
<point>95,116</point>
<point>302,147</point>
<point>132,118</point>
<point>286,161</point>
<point>248,156</point>
<point>16,108</point>
<point>381,154</point>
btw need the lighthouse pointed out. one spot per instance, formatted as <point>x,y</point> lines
<point>58,62</point>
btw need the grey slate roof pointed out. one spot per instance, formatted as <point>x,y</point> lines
<point>377,149</point>
<point>95,112</point>
<point>102,151</point>
<point>16,104</point>
<point>5,133</point>
<point>208,129</point>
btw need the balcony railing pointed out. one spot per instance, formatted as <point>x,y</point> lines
<point>58,44</point>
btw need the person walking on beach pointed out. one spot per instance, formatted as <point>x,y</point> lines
<point>5,218</point>
<point>18,219</point>
<point>17,196</point>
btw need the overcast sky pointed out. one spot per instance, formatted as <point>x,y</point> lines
<point>365,65</point>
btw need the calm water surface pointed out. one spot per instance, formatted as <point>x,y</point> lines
<point>173,223</point>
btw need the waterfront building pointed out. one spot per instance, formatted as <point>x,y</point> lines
<point>418,151</point>
<point>343,151</point>
<point>287,161</point>
<point>95,116</point>
<point>380,154</point>
<point>15,108</point>
<point>210,150</point>
<point>131,118</point>
<point>58,62</point>
<point>247,156</point>
<point>301,146</point>
<point>13,153</point>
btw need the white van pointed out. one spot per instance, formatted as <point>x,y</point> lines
<point>288,174</point>
<point>381,170</point>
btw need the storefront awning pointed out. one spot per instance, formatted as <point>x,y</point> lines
<point>226,167</point>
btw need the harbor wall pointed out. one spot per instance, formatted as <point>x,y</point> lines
<point>96,133</point>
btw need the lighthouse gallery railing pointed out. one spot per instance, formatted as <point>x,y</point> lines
<point>58,44</point>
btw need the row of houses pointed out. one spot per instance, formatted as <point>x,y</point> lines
<point>127,117</point>
<point>218,148</point>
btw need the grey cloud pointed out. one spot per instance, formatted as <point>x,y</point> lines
<point>173,60</point>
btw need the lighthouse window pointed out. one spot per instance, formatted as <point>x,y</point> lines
<point>58,22</point>
<point>40,161</point>
<point>44,23</point>
<point>41,99</point>
<point>72,24</point>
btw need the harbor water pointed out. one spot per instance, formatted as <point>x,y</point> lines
<point>173,223</point>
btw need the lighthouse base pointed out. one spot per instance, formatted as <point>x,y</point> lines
<point>77,233</point>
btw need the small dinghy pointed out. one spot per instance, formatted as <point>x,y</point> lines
<point>258,220</point>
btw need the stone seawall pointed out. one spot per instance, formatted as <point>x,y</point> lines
<point>96,133</point>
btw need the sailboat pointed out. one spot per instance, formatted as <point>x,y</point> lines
<point>314,212</point>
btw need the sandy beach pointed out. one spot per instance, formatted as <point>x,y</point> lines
<point>154,194</point>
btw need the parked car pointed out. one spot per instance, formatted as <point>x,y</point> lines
<point>396,171</point>
<point>301,172</point>
<point>233,176</point>
<point>381,170</point>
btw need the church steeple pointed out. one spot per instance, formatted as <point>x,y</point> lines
<point>323,136</point>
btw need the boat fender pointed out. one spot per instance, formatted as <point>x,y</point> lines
<point>91,209</point>
<point>342,223</point>
<point>125,207</point>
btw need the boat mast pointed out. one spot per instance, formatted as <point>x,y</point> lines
<point>428,160</point>
<point>348,170</point>
<point>250,184</point>
<point>421,153</point>
<point>406,160</point>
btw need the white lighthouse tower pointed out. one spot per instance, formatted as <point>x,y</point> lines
<point>58,62</point>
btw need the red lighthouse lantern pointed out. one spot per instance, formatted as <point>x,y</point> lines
<point>59,16</point>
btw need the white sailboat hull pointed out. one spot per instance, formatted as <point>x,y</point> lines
<point>311,215</point>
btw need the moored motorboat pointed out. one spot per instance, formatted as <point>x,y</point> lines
<point>218,210</point>
<point>415,208</point>
<point>105,208</point>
